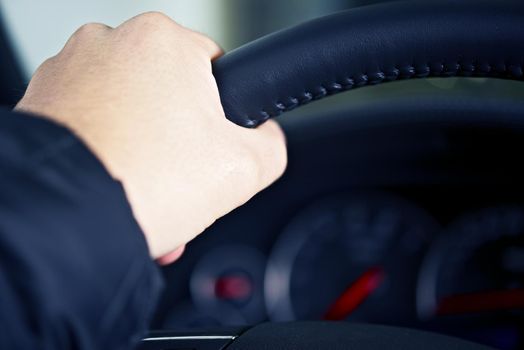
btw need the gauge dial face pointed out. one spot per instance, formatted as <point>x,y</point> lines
<point>475,267</point>
<point>230,277</point>
<point>349,257</point>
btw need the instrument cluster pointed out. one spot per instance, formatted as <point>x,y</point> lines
<point>382,217</point>
<point>374,258</point>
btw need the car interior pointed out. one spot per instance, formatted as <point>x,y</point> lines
<point>399,222</point>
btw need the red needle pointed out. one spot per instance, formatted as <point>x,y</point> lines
<point>481,302</point>
<point>355,294</point>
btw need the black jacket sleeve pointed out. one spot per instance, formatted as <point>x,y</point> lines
<point>74,266</point>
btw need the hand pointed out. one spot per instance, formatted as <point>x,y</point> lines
<point>143,98</point>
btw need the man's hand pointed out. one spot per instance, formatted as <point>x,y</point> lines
<point>143,98</point>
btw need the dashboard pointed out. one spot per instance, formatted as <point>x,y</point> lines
<point>403,205</point>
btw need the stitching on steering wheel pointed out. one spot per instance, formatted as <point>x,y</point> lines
<point>435,69</point>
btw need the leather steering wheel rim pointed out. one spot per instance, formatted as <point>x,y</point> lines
<point>368,46</point>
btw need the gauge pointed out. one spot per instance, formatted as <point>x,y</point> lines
<point>230,276</point>
<point>349,257</point>
<point>476,267</point>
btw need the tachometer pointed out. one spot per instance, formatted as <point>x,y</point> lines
<point>476,267</point>
<point>349,257</point>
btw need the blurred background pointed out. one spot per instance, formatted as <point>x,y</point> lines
<point>39,29</point>
<point>427,202</point>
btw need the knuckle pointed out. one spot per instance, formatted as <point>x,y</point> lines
<point>154,19</point>
<point>49,62</point>
<point>47,66</point>
<point>208,44</point>
<point>154,26</point>
<point>204,38</point>
<point>89,29</point>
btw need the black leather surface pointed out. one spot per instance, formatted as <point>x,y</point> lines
<point>343,336</point>
<point>370,45</point>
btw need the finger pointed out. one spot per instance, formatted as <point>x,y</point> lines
<point>171,257</point>
<point>152,17</point>
<point>88,33</point>
<point>92,30</point>
<point>161,20</point>
<point>210,46</point>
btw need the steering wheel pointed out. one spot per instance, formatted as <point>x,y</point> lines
<point>344,51</point>
<point>369,46</point>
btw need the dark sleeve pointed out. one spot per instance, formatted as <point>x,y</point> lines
<point>74,266</point>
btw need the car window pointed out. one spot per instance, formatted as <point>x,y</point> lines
<point>41,32</point>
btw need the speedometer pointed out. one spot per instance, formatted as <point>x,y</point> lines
<point>349,257</point>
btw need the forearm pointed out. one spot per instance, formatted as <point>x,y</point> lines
<point>75,270</point>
